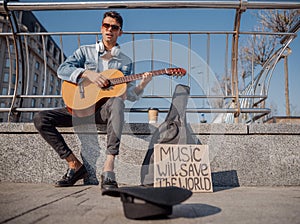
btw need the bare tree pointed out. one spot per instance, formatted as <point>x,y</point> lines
<point>281,21</point>
<point>257,50</point>
<point>278,20</point>
<point>260,47</point>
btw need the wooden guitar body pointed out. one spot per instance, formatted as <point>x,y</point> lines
<point>85,103</point>
<point>84,98</point>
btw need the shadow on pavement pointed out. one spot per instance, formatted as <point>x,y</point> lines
<point>193,211</point>
<point>189,211</point>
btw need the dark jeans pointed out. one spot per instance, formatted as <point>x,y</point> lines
<point>110,113</point>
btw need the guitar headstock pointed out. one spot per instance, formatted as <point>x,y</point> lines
<point>178,72</point>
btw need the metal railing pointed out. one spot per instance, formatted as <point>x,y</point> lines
<point>91,5</point>
<point>22,57</point>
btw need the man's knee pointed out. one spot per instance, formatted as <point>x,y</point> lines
<point>39,120</point>
<point>117,103</point>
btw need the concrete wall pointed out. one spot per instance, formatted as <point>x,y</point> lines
<point>240,155</point>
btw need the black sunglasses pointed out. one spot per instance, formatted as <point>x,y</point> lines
<point>113,27</point>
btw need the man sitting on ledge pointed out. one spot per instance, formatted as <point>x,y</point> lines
<point>88,62</point>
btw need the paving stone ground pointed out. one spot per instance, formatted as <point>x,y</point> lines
<point>29,203</point>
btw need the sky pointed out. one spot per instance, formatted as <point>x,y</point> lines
<point>182,20</point>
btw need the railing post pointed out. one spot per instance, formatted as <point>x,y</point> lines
<point>234,64</point>
<point>12,114</point>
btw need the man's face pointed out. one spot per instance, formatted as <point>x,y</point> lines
<point>110,30</point>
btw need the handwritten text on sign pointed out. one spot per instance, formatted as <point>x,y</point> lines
<point>185,166</point>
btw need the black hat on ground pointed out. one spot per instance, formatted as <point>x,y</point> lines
<point>148,202</point>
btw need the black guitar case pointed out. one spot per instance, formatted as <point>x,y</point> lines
<point>173,130</point>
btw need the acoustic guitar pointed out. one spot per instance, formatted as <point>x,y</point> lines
<point>84,98</point>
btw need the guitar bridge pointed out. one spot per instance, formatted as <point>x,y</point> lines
<point>81,90</point>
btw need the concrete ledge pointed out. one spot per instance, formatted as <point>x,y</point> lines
<point>240,155</point>
<point>134,128</point>
<point>269,129</point>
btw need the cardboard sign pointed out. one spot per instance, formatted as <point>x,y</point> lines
<point>185,166</point>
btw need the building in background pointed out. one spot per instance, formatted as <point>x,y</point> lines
<point>39,75</point>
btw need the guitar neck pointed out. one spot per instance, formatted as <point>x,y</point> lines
<point>130,78</point>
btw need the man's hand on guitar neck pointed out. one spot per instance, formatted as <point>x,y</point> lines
<point>96,78</point>
<point>147,77</point>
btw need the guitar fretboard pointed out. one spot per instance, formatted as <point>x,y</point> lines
<point>129,78</point>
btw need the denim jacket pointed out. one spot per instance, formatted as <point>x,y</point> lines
<point>86,57</point>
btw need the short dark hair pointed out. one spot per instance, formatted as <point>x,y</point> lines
<point>115,15</point>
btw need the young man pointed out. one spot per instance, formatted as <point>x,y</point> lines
<point>88,62</point>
